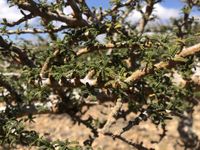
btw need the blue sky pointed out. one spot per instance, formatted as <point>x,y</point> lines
<point>172,3</point>
<point>166,3</point>
<point>176,4</point>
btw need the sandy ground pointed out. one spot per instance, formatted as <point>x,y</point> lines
<point>61,126</point>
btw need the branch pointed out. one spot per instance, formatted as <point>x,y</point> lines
<point>21,54</point>
<point>116,7</point>
<point>111,118</point>
<point>47,62</point>
<point>74,6</point>
<point>25,18</point>
<point>48,15</point>
<point>138,74</point>
<point>33,31</point>
<point>88,79</point>
<point>9,88</point>
<point>136,121</point>
<point>82,51</point>
<point>90,15</point>
<point>146,15</point>
<point>60,8</point>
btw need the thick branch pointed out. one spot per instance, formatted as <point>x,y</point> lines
<point>138,74</point>
<point>21,54</point>
<point>112,117</point>
<point>146,15</point>
<point>48,15</point>
<point>47,62</point>
<point>74,6</point>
